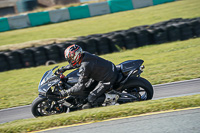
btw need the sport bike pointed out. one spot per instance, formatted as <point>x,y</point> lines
<point>128,87</point>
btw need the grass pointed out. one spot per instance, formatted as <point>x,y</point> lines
<point>164,63</point>
<point>98,114</point>
<point>105,23</point>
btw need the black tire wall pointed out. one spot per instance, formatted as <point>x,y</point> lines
<point>162,32</point>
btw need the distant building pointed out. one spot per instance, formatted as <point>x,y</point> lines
<point>16,6</point>
<point>7,7</point>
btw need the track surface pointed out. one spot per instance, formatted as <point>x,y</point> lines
<point>185,121</point>
<point>175,89</point>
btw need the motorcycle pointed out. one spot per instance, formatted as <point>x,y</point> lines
<point>129,87</point>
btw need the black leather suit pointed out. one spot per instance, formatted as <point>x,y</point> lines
<point>98,69</point>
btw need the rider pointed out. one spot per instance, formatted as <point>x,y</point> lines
<point>90,67</point>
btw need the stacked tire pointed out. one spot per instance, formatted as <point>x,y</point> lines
<point>14,60</point>
<point>62,47</point>
<point>4,62</point>
<point>40,55</point>
<point>162,32</point>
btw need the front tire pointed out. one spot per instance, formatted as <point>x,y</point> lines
<point>44,107</point>
<point>139,87</point>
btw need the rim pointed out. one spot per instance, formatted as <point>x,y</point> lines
<point>47,107</point>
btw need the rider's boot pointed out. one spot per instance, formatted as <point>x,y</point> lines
<point>87,106</point>
<point>96,103</point>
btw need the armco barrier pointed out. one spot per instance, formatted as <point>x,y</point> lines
<point>166,31</point>
<point>72,13</point>
<point>4,25</point>
<point>39,18</point>
<point>18,22</point>
<point>120,5</point>
<point>142,3</point>
<point>99,8</point>
<point>79,12</point>
<point>156,2</point>
<point>59,15</point>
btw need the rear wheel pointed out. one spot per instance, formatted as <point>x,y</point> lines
<point>139,87</point>
<point>45,107</point>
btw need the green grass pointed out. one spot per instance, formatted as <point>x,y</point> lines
<point>98,114</point>
<point>105,23</point>
<point>164,63</point>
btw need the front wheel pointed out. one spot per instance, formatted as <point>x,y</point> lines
<point>45,107</point>
<point>139,87</point>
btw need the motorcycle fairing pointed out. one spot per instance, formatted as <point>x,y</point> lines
<point>47,81</point>
<point>45,87</point>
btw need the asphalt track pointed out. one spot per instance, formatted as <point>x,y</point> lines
<point>174,89</point>
<point>175,121</point>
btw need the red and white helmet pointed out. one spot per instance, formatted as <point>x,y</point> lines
<point>73,54</point>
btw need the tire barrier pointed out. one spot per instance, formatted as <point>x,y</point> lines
<point>40,55</point>
<point>130,40</point>
<point>195,28</point>
<point>4,62</point>
<point>53,52</point>
<point>14,60</point>
<point>173,33</point>
<point>166,31</point>
<point>117,41</point>
<point>91,45</point>
<point>62,47</point>
<point>104,46</point>
<point>27,57</point>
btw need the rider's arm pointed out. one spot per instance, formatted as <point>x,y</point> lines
<point>65,68</point>
<point>81,85</point>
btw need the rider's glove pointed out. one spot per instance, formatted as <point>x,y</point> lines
<point>64,93</point>
<point>57,72</point>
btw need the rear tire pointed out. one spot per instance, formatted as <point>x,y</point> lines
<point>140,83</point>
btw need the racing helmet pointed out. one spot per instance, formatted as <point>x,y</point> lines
<point>73,54</point>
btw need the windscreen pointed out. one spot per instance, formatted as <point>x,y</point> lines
<point>47,76</point>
